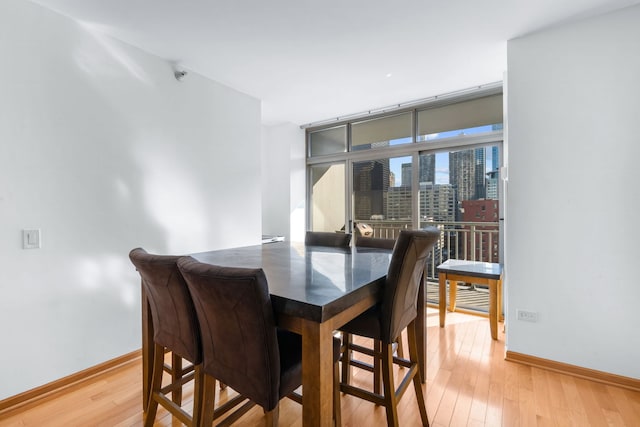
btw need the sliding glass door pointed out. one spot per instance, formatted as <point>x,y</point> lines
<point>430,165</point>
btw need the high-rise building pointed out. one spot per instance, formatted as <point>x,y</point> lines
<point>406,174</point>
<point>371,181</point>
<point>492,185</point>
<point>467,173</point>
<point>480,170</point>
<point>437,202</point>
<point>399,203</point>
<point>462,173</point>
<point>428,168</point>
<point>494,174</point>
<point>495,158</point>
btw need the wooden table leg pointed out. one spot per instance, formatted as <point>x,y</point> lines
<point>442,297</point>
<point>147,350</point>
<point>493,308</point>
<point>453,295</point>
<point>500,314</point>
<point>317,374</point>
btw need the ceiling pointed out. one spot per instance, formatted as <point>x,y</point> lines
<point>313,60</point>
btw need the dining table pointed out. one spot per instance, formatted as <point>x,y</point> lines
<point>314,290</point>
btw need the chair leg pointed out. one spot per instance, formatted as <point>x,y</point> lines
<point>417,379</point>
<point>346,357</point>
<point>176,374</point>
<point>271,417</point>
<point>156,385</point>
<point>197,396</point>
<point>400,349</point>
<point>208,400</point>
<point>377,368</point>
<point>390,399</point>
<point>337,411</point>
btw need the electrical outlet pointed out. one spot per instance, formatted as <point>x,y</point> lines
<point>31,239</point>
<point>527,316</point>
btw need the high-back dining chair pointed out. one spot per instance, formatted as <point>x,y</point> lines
<point>385,321</point>
<point>377,243</point>
<point>242,346</point>
<point>325,238</point>
<point>176,329</point>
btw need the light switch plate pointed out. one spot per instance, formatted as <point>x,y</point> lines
<point>31,239</point>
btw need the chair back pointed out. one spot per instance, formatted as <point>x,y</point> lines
<point>374,242</point>
<point>408,260</point>
<point>325,238</point>
<point>239,338</point>
<point>175,325</point>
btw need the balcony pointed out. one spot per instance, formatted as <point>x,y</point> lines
<point>475,241</point>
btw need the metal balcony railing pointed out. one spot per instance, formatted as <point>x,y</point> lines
<point>475,241</point>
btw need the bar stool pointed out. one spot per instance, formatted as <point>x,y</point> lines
<point>242,346</point>
<point>384,323</point>
<point>176,329</point>
<point>363,242</point>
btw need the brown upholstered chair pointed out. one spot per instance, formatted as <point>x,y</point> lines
<point>242,346</point>
<point>325,238</point>
<point>377,243</point>
<point>175,329</point>
<point>385,321</point>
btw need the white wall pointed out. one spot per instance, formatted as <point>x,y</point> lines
<point>283,181</point>
<point>103,150</point>
<point>572,235</point>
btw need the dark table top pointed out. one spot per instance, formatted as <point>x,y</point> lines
<point>311,282</point>
<point>488,270</point>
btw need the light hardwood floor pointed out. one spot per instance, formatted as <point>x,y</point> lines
<point>468,384</point>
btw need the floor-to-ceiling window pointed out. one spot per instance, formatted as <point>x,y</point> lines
<point>326,181</point>
<point>435,163</point>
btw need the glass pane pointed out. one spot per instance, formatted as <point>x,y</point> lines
<point>381,132</point>
<point>382,196</point>
<point>328,197</point>
<point>462,118</point>
<point>328,141</point>
<point>459,194</point>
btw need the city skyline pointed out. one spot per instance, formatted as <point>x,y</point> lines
<point>379,192</point>
<point>441,171</point>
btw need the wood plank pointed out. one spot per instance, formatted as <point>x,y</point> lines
<point>628,405</point>
<point>496,385</point>
<point>590,403</point>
